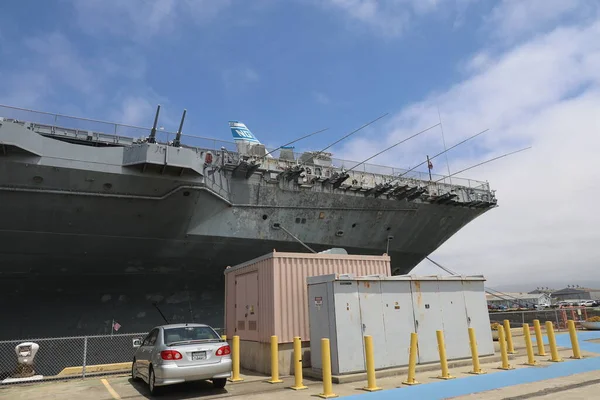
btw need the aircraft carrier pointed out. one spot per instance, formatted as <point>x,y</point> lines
<point>103,222</point>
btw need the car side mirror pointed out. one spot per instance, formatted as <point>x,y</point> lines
<point>137,342</point>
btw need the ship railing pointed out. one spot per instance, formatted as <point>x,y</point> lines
<point>119,131</point>
<point>215,145</point>
<point>61,358</point>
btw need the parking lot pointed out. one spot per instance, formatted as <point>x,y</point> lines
<point>571,379</point>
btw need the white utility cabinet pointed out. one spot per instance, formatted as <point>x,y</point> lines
<point>344,308</point>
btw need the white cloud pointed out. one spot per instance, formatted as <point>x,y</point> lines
<point>543,92</point>
<point>142,20</point>
<point>54,75</point>
<point>513,18</point>
<point>136,111</point>
<point>321,98</point>
<point>392,18</point>
<point>238,77</point>
<point>61,61</point>
<point>24,89</point>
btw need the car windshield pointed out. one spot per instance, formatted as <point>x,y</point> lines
<point>188,334</point>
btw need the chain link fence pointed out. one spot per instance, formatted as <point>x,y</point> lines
<point>62,358</point>
<point>557,316</point>
<point>68,357</point>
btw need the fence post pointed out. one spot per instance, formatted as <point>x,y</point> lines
<point>529,345</point>
<point>538,337</point>
<point>274,361</point>
<point>474,355</point>
<point>298,385</point>
<point>85,340</point>
<point>443,359</point>
<point>508,333</point>
<point>326,366</point>
<point>552,342</point>
<point>574,341</point>
<point>412,360</point>
<point>369,360</point>
<point>235,355</point>
<point>503,352</point>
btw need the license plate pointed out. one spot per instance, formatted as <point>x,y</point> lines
<point>199,355</point>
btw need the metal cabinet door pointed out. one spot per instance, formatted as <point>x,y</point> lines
<point>246,306</point>
<point>454,318</point>
<point>371,315</point>
<point>348,326</point>
<point>240,306</point>
<point>321,312</point>
<point>478,315</point>
<point>399,321</point>
<point>428,318</point>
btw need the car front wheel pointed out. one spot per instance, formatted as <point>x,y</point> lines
<point>219,383</point>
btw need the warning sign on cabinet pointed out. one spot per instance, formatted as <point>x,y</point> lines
<point>318,301</point>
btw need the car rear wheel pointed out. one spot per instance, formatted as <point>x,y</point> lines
<point>134,376</point>
<point>151,380</point>
<point>219,383</point>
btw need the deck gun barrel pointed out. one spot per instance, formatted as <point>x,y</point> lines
<point>152,137</point>
<point>177,141</point>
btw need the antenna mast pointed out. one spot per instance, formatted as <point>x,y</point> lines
<point>391,147</point>
<point>294,141</point>
<point>484,162</point>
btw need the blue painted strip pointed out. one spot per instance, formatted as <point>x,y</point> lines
<point>482,383</point>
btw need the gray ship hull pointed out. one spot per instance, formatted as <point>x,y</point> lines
<point>76,281</point>
<point>89,235</point>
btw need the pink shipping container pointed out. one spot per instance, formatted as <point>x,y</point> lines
<point>268,296</point>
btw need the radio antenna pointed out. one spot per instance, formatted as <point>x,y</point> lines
<point>349,134</point>
<point>400,142</point>
<point>442,152</point>
<point>484,162</point>
<point>294,141</point>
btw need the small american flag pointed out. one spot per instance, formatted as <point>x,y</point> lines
<point>116,325</point>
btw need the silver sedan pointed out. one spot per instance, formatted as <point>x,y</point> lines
<point>179,353</point>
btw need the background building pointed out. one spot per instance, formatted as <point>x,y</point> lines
<point>543,289</point>
<point>575,292</point>
<point>516,300</point>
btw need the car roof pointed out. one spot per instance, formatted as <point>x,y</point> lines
<point>192,325</point>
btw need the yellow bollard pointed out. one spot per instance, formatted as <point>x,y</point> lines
<point>443,360</point>
<point>274,361</point>
<point>412,360</point>
<point>235,360</point>
<point>326,365</point>
<point>528,345</point>
<point>552,342</point>
<point>509,341</point>
<point>298,385</point>
<point>370,361</point>
<point>503,352</point>
<point>538,337</point>
<point>474,355</point>
<point>574,341</point>
<point>224,337</point>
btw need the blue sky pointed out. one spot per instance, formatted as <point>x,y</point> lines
<point>285,68</point>
<point>527,70</point>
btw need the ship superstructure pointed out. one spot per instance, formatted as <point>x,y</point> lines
<point>100,224</point>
